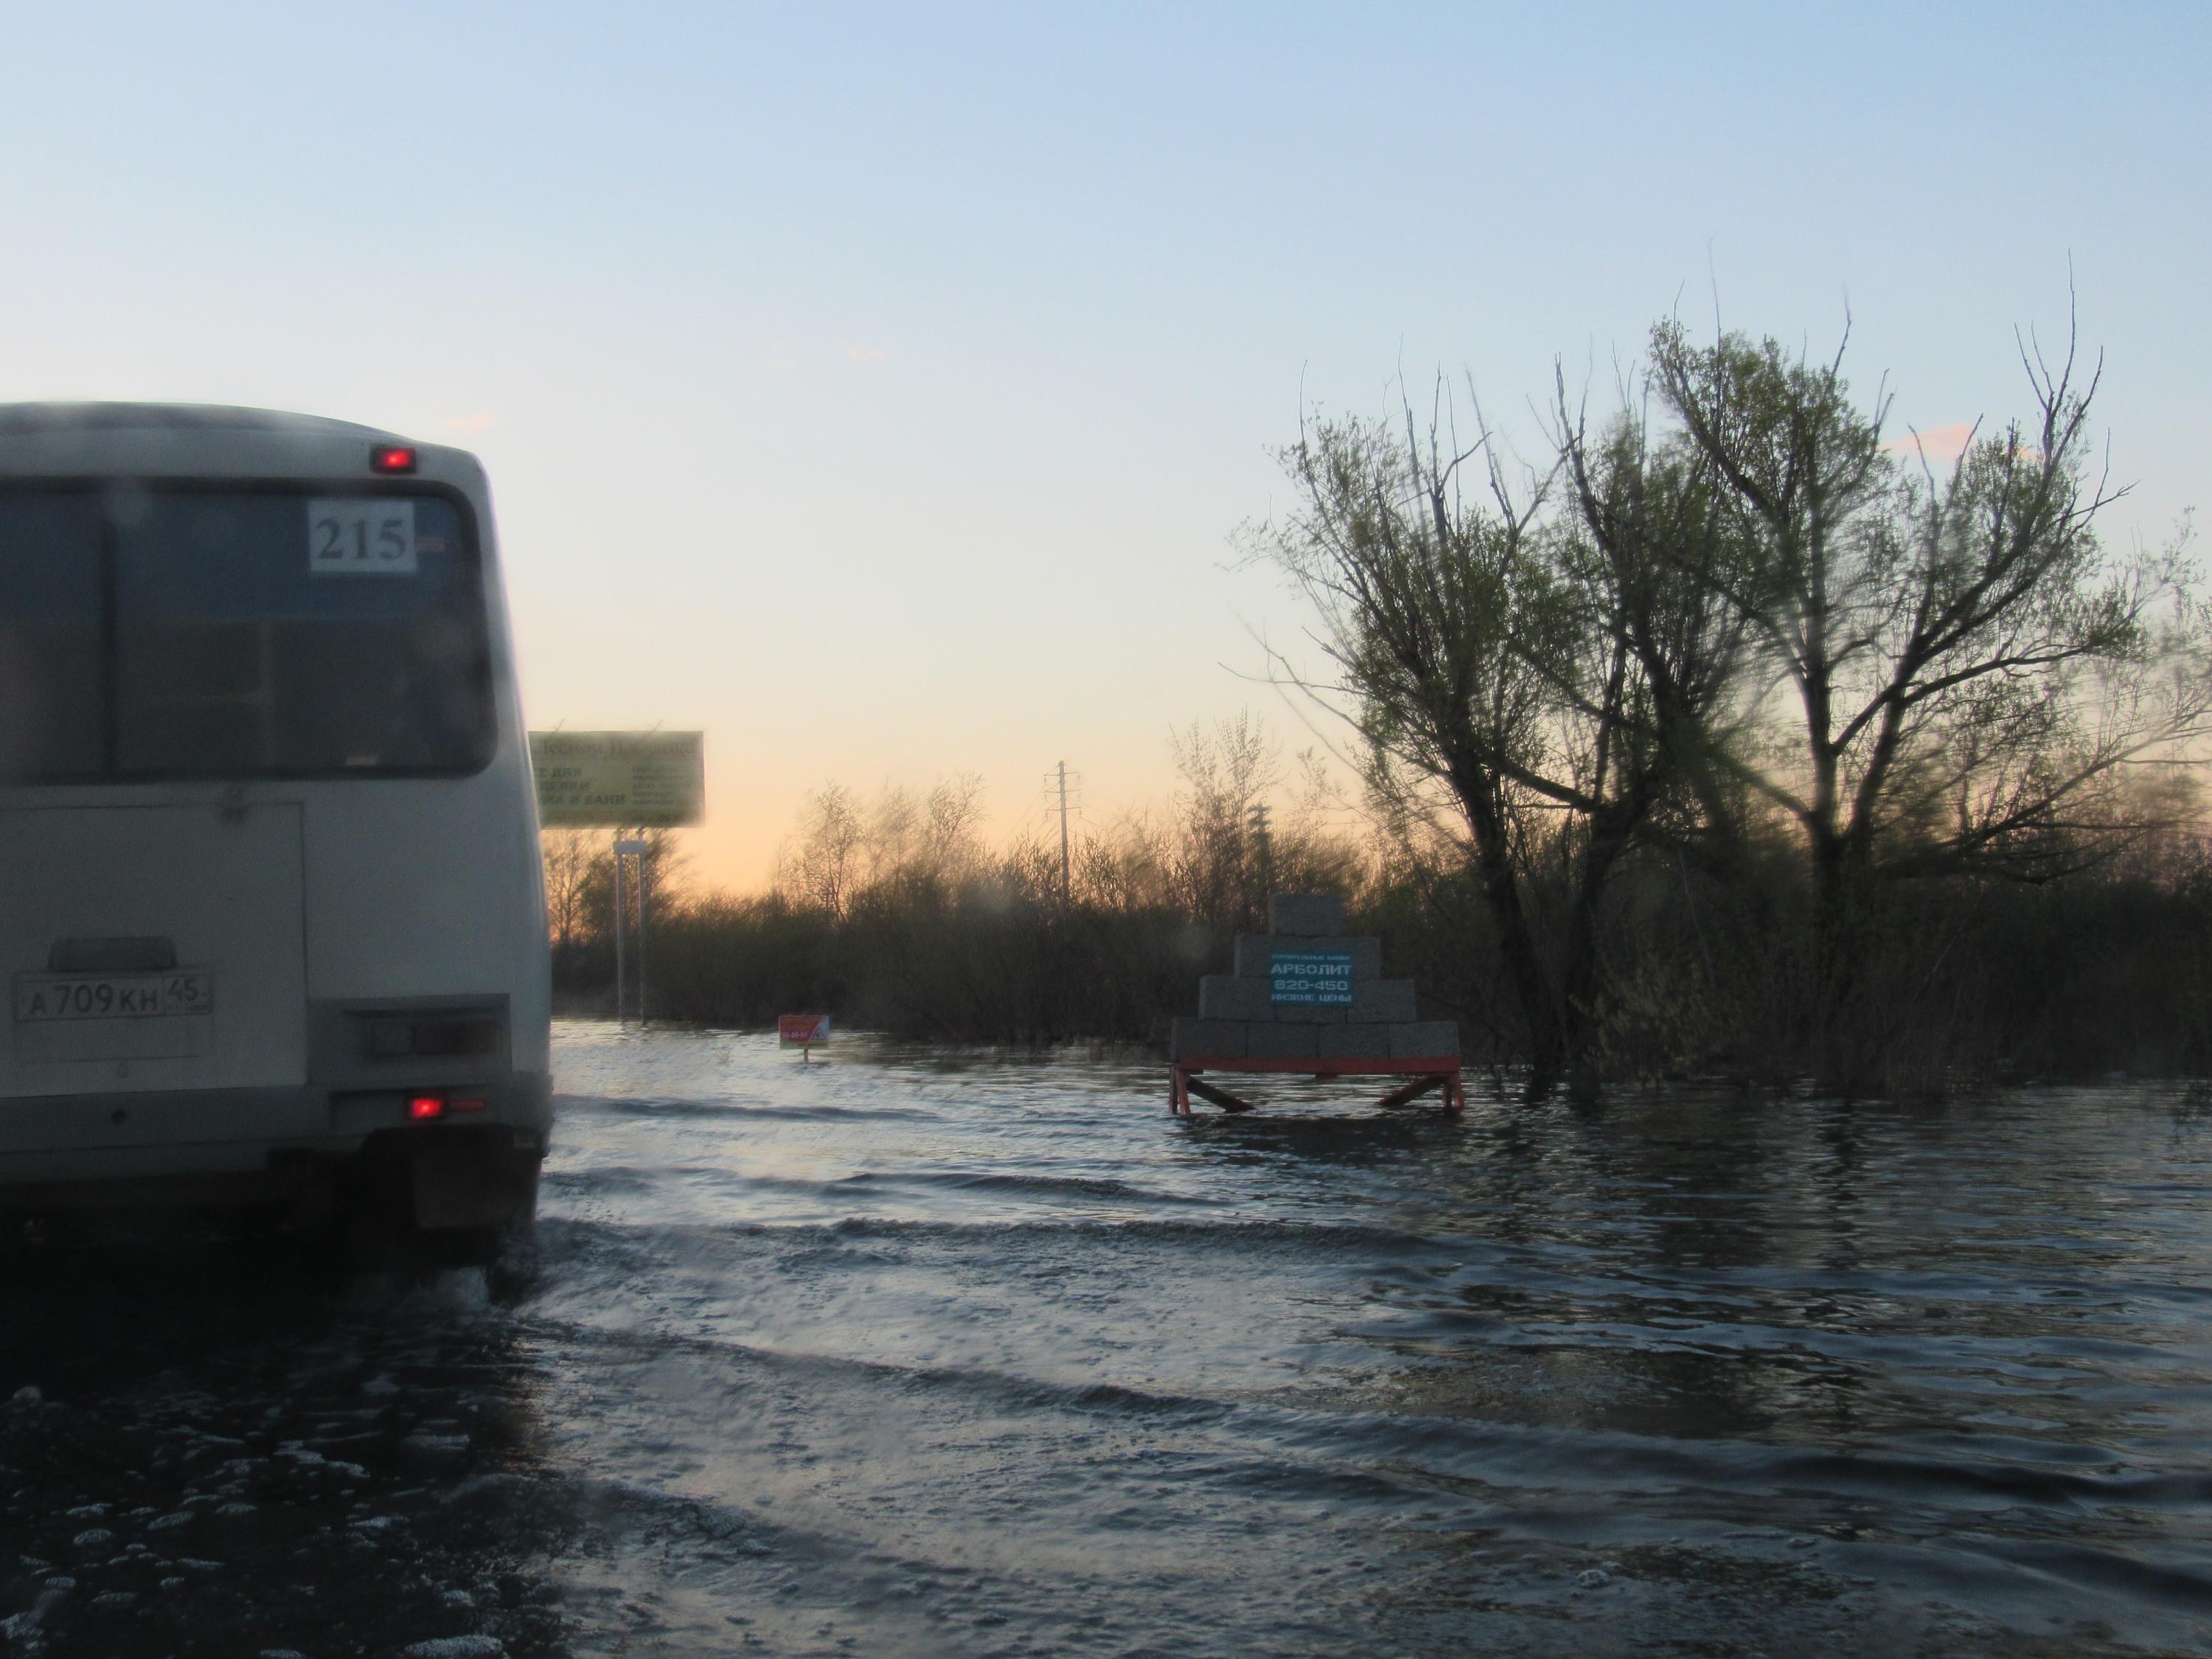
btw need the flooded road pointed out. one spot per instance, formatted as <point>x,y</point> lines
<point>907,1355</point>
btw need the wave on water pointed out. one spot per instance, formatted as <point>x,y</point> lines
<point>1038,1186</point>
<point>625,1178</point>
<point>1286,1445</point>
<point>1365,1244</point>
<point>732,1108</point>
<point>1006,1389</point>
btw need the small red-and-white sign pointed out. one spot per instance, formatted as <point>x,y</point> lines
<point>801,1031</point>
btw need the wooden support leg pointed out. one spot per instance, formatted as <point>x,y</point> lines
<point>1416,1088</point>
<point>1183,1082</point>
<point>1220,1098</point>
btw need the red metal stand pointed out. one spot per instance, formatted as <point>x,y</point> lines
<point>1429,1073</point>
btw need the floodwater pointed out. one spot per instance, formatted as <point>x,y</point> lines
<point>907,1354</point>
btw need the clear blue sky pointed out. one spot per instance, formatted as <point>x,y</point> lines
<point>877,388</point>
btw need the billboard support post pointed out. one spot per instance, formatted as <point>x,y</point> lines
<point>634,847</point>
<point>622,925</point>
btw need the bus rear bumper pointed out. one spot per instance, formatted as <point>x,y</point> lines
<point>318,1155</point>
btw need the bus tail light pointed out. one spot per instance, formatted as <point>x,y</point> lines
<point>425,1107</point>
<point>391,458</point>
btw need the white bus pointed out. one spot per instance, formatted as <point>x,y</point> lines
<point>271,903</point>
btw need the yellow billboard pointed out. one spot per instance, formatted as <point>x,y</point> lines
<point>620,780</point>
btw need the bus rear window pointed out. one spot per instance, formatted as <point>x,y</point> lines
<point>147,634</point>
<point>50,696</point>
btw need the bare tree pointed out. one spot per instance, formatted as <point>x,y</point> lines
<point>822,865</point>
<point>1312,854</point>
<point>569,856</point>
<point>1651,543</point>
<point>1471,649</point>
<point>664,868</point>
<point>1125,868</point>
<point>842,849</point>
<point>1226,770</point>
<point>1972,676</point>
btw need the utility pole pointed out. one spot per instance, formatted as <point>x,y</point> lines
<point>1066,888</point>
<point>1264,844</point>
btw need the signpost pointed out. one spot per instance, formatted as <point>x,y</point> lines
<point>622,781</point>
<point>802,1032</point>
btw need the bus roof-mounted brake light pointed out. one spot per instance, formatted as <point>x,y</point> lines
<point>391,458</point>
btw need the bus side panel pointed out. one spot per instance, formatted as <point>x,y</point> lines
<point>532,989</point>
<point>430,889</point>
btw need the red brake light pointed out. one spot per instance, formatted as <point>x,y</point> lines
<point>426,1106</point>
<point>391,458</point>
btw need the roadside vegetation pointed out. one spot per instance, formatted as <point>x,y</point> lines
<point>1736,735</point>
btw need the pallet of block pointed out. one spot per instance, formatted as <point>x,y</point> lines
<point>1307,998</point>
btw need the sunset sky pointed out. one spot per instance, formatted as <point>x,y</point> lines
<point>878,388</point>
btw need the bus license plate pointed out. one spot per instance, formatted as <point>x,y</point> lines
<point>113,996</point>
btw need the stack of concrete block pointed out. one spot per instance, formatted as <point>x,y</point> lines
<point>1259,1014</point>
